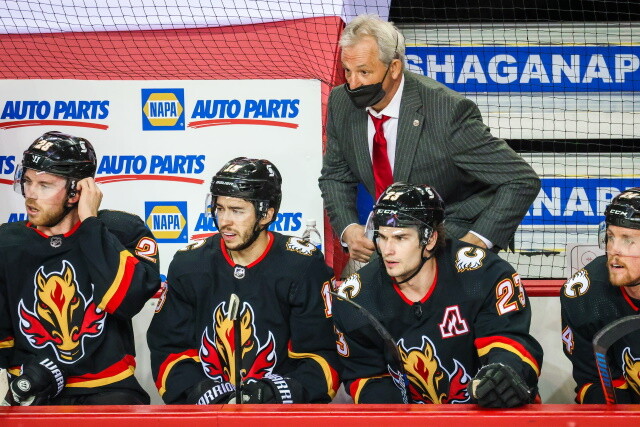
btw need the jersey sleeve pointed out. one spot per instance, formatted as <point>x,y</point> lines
<point>312,343</point>
<point>364,366</point>
<point>577,346</point>
<point>123,262</point>
<point>364,369</point>
<point>174,342</point>
<point>502,329</point>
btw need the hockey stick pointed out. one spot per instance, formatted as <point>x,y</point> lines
<point>234,308</point>
<point>601,343</point>
<point>389,344</point>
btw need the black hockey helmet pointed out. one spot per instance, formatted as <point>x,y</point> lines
<point>59,154</point>
<point>407,205</point>
<point>254,180</point>
<point>624,209</point>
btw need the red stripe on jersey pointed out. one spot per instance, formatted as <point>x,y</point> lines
<point>628,298</point>
<point>116,368</point>
<point>129,268</point>
<point>168,363</point>
<point>424,298</point>
<point>232,263</point>
<point>67,234</point>
<point>484,343</point>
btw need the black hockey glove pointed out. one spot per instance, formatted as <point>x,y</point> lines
<point>210,392</point>
<point>498,386</point>
<point>39,382</point>
<point>272,389</point>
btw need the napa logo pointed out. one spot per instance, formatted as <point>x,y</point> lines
<point>162,109</point>
<point>167,221</point>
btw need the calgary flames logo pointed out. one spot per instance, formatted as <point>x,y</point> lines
<point>62,317</point>
<point>429,381</point>
<point>631,370</point>
<point>218,350</point>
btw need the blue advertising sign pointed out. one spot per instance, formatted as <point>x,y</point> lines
<point>529,68</point>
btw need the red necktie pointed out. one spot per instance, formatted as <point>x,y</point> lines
<point>381,167</point>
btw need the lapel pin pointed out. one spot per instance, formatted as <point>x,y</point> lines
<point>416,122</point>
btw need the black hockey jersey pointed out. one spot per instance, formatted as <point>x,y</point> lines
<point>475,313</point>
<point>589,303</point>
<point>71,298</point>
<point>284,312</point>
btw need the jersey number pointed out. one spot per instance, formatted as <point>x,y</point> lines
<point>326,297</point>
<point>505,291</point>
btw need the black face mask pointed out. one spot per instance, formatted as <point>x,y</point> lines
<point>367,95</point>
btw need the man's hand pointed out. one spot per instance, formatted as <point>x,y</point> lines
<point>498,386</point>
<point>38,383</point>
<point>360,247</point>
<point>90,198</point>
<point>473,239</point>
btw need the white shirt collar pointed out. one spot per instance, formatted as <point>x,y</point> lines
<point>393,109</point>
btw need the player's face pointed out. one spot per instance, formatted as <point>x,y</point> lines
<point>45,197</point>
<point>362,66</point>
<point>401,251</point>
<point>236,219</point>
<point>623,255</point>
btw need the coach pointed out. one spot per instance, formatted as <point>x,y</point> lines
<point>386,124</point>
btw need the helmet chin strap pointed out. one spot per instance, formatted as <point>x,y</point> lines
<point>417,270</point>
<point>57,220</point>
<point>257,229</point>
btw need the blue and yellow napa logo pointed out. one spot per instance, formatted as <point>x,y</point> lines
<point>163,109</point>
<point>167,221</point>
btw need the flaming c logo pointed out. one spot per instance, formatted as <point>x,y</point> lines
<point>429,381</point>
<point>62,317</point>
<point>218,350</point>
<point>631,370</point>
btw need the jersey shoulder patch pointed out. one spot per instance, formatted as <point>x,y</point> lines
<point>301,246</point>
<point>351,286</point>
<point>469,258</point>
<point>577,285</point>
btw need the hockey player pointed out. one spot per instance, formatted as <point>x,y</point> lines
<point>453,310</point>
<point>283,349</point>
<point>71,279</point>
<point>607,289</point>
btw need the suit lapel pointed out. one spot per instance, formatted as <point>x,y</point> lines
<point>410,126</point>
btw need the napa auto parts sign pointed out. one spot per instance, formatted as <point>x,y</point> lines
<point>529,68</point>
<point>159,143</point>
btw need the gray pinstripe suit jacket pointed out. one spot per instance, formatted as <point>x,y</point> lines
<point>442,142</point>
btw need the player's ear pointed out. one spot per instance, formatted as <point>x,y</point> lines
<point>432,241</point>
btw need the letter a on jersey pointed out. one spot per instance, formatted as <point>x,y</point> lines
<point>452,323</point>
